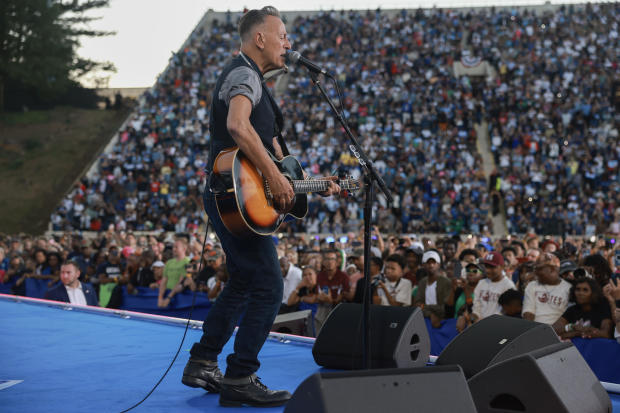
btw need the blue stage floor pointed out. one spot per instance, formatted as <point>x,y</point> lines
<point>75,361</point>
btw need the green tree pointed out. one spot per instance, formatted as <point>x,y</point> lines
<point>39,41</point>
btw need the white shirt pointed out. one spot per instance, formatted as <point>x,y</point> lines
<point>211,284</point>
<point>400,290</point>
<point>486,295</point>
<point>76,295</point>
<point>291,280</point>
<point>430,296</point>
<point>546,302</point>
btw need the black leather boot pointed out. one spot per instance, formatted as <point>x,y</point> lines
<point>251,392</point>
<point>202,373</point>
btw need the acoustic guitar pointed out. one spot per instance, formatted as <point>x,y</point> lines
<point>243,198</point>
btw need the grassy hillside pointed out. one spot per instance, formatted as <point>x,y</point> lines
<point>41,155</point>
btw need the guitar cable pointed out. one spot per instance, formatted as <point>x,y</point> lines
<point>189,318</point>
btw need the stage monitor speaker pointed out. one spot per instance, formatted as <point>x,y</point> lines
<point>554,379</point>
<point>421,389</point>
<point>398,338</point>
<point>494,339</point>
<point>298,323</point>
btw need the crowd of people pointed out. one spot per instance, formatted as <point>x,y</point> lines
<point>550,116</point>
<point>553,116</point>
<point>571,285</point>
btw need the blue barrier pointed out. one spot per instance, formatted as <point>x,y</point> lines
<point>440,337</point>
<point>602,355</point>
<point>145,301</point>
<point>36,288</point>
<point>7,288</point>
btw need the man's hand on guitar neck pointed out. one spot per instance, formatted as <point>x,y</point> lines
<point>334,188</point>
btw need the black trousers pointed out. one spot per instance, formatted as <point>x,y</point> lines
<point>254,290</point>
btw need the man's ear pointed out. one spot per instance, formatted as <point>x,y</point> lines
<point>259,40</point>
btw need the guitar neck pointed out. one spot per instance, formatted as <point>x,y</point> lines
<point>319,185</point>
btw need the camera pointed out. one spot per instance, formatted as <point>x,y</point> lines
<point>377,280</point>
<point>303,291</point>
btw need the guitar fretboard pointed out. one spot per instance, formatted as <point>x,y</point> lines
<point>321,185</point>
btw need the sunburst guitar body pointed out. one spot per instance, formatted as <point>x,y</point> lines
<point>244,200</point>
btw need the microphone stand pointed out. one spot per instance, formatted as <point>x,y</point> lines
<point>370,177</point>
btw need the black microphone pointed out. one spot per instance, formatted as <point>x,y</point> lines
<point>297,58</point>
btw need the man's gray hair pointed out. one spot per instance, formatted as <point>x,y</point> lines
<point>253,18</point>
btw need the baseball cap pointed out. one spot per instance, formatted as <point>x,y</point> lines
<point>484,245</point>
<point>493,259</point>
<point>351,267</point>
<point>417,248</point>
<point>431,255</point>
<point>549,241</point>
<point>213,255</point>
<point>157,264</point>
<point>474,265</point>
<point>567,266</point>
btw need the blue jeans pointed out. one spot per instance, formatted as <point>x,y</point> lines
<point>254,290</point>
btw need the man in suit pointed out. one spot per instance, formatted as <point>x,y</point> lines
<point>72,290</point>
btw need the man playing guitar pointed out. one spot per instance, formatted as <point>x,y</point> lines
<point>244,114</point>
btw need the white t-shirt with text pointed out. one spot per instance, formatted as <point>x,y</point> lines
<point>486,295</point>
<point>546,302</point>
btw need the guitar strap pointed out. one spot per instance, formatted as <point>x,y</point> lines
<point>279,120</point>
<point>276,110</point>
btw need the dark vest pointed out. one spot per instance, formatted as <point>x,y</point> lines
<point>266,117</point>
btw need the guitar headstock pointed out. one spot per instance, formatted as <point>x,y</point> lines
<point>349,186</point>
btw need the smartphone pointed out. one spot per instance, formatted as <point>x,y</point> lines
<point>617,258</point>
